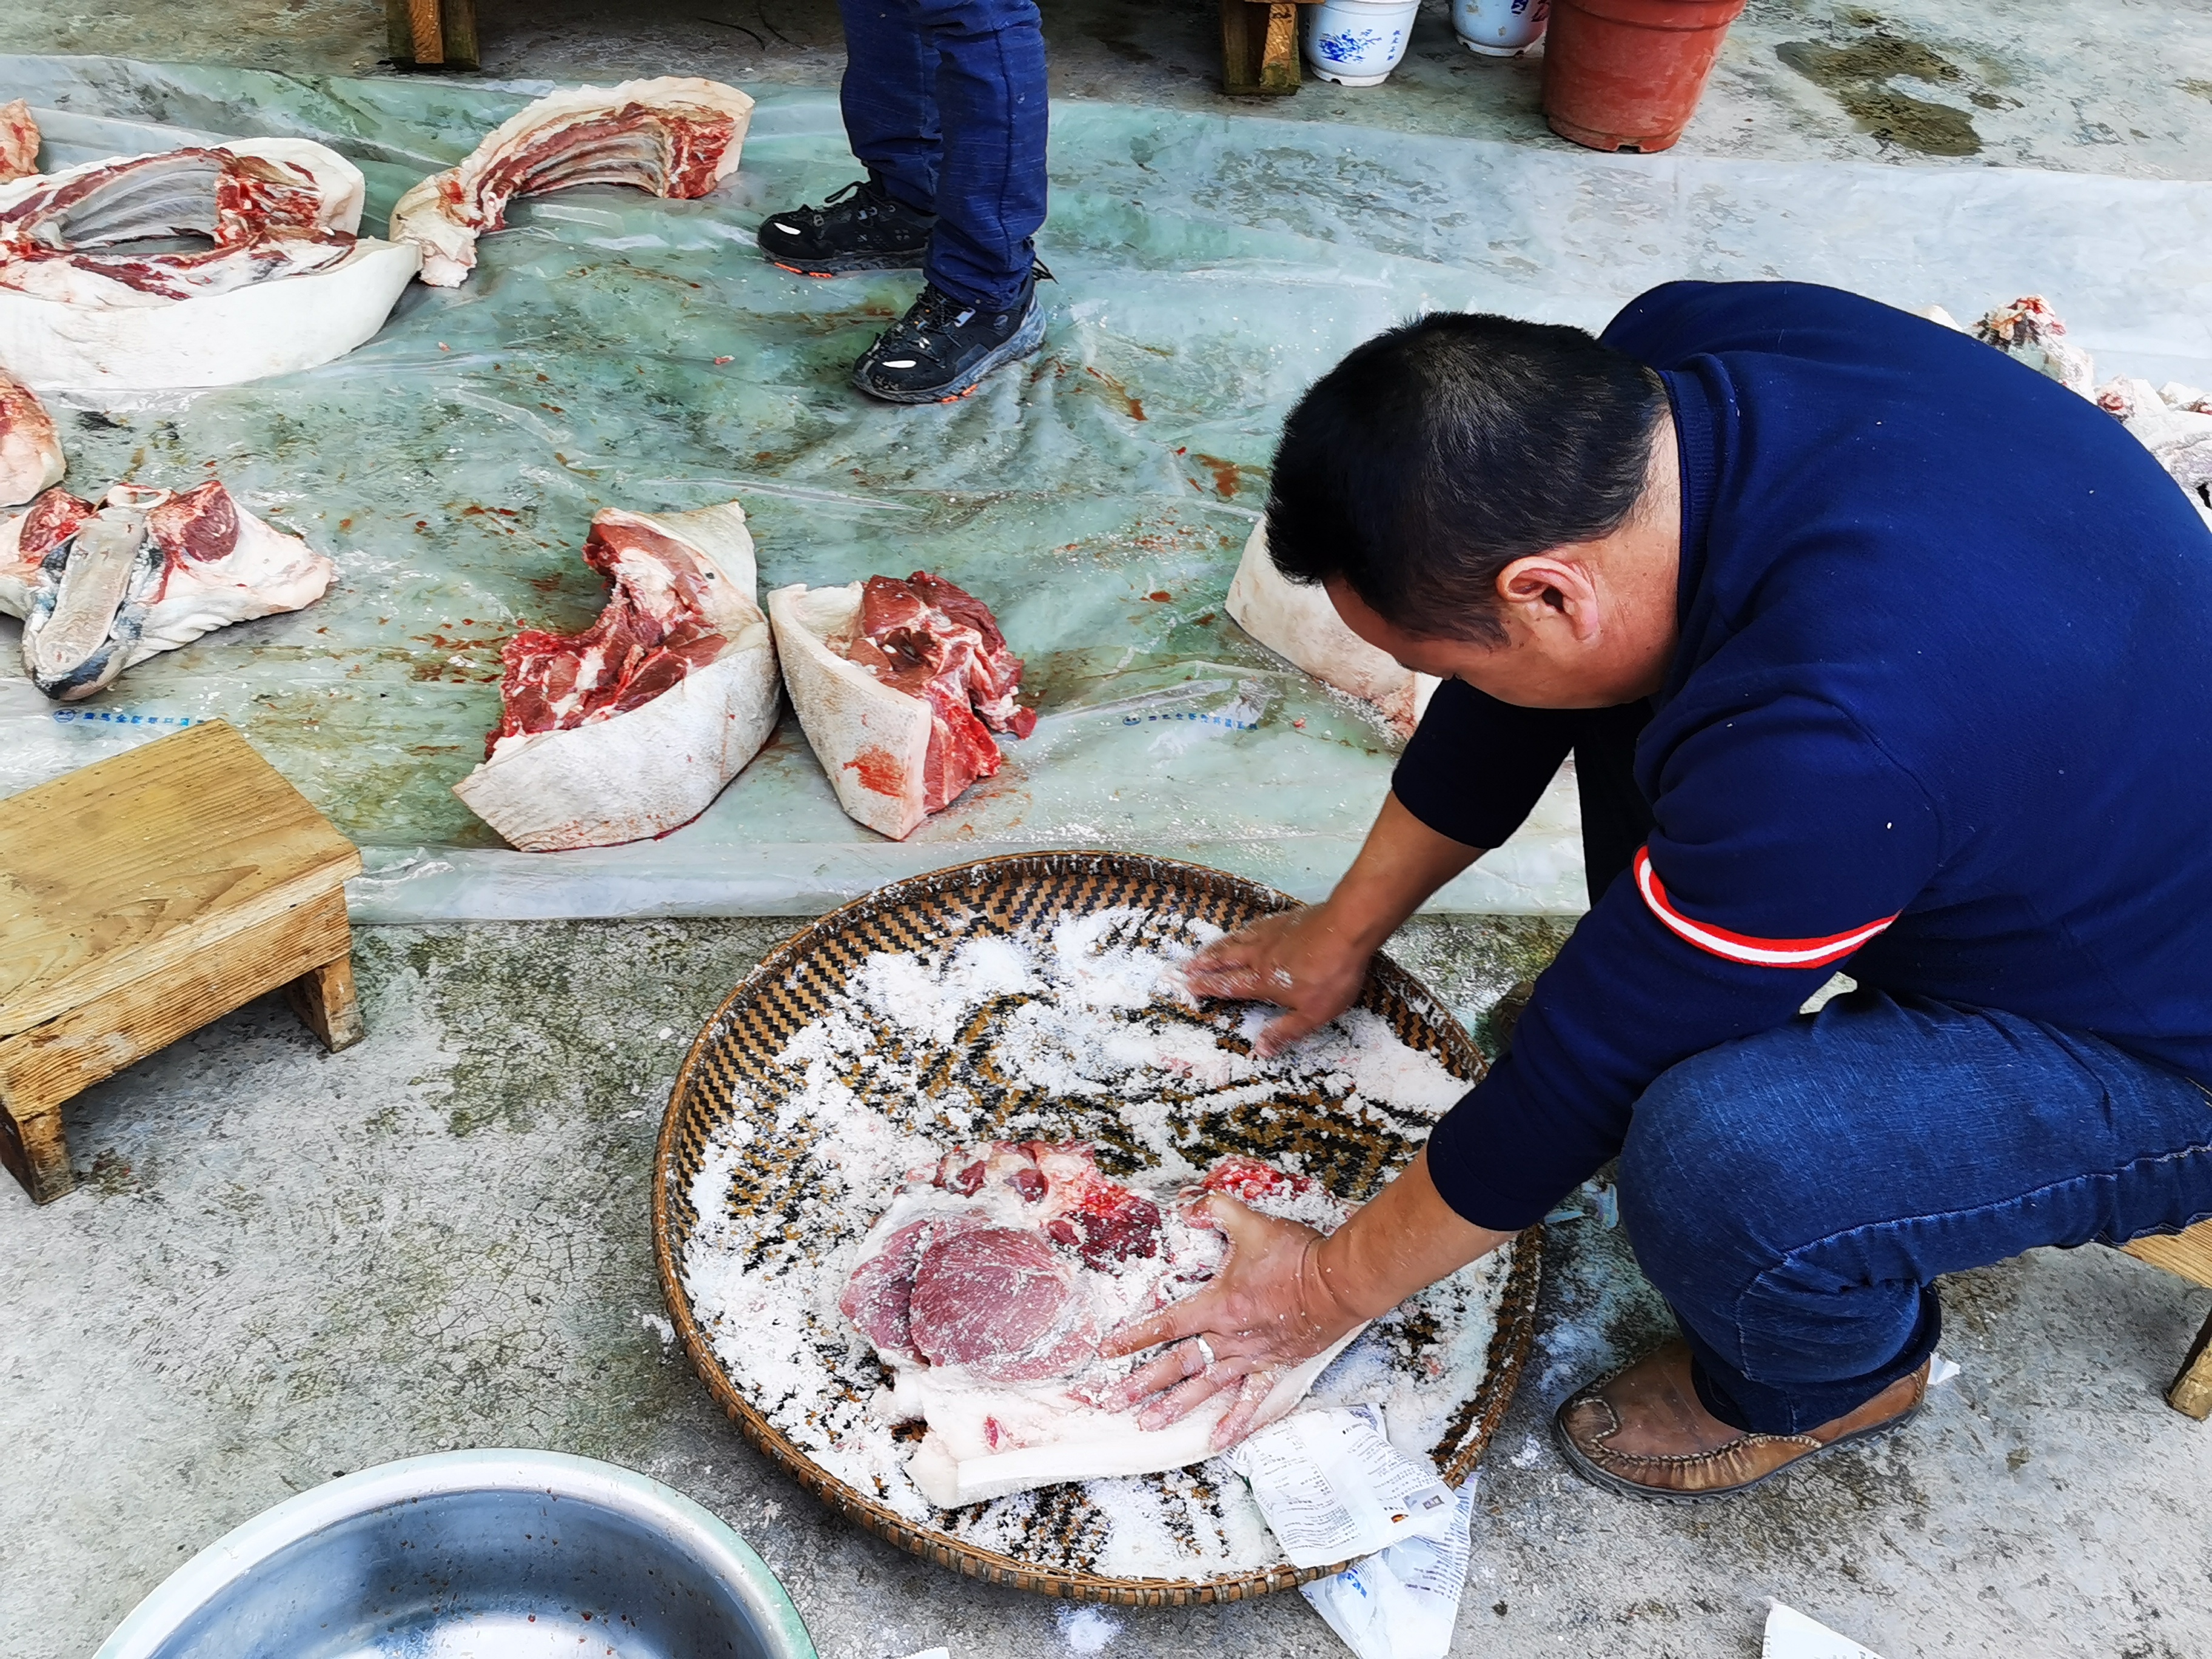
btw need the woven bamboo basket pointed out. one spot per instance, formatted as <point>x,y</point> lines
<point>1013,895</point>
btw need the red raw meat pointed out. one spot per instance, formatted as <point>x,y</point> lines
<point>53,519</point>
<point>930,639</point>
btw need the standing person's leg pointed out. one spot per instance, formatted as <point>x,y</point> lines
<point>1793,1195</point>
<point>889,97</point>
<point>991,95</point>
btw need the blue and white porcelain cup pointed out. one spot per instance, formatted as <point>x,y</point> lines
<point>1499,28</point>
<point>1357,43</point>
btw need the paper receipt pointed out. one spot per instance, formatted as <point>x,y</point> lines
<point>1332,1488</point>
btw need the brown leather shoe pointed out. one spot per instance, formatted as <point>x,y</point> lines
<point>1644,1432</point>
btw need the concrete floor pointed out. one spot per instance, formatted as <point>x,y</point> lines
<point>283,1264</point>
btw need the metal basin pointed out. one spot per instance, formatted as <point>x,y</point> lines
<point>485,1554</point>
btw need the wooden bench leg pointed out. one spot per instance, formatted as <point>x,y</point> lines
<point>33,1147</point>
<point>325,1001</point>
<point>431,34</point>
<point>1259,47</point>
<point>2191,1392</point>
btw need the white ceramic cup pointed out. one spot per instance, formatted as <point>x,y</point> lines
<point>1357,43</point>
<point>1499,28</point>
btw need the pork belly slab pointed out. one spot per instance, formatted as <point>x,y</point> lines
<point>899,685</point>
<point>633,726</point>
<point>277,280</point>
<point>18,141</point>
<point>100,587</point>
<point>675,137</point>
<point>1299,623</point>
<point>30,449</point>
<point>988,1284</point>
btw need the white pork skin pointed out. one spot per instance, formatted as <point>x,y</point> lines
<point>30,449</point>
<point>1299,623</point>
<point>102,587</point>
<point>632,728</point>
<point>18,141</point>
<point>677,136</point>
<point>988,1284</point>
<point>282,282</point>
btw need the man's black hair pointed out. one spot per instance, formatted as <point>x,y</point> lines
<point>1435,455</point>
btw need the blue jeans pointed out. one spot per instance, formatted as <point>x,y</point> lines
<point>1794,1193</point>
<point>945,105</point>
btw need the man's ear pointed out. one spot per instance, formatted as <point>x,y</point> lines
<point>1547,592</point>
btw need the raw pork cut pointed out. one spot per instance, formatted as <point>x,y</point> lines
<point>282,283</point>
<point>2029,329</point>
<point>1299,623</point>
<point>634,726</point>
<point>30,448</point>
<point>676,137</point>
<point>101,588</point>
<point>2174,423</point>
<point>988,1284</point>
<point>18,141</point>
<point>899,685</point>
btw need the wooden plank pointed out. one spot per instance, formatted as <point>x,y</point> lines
<point>34,1150</point>
<point>61,1057</point>
<point>2191,1392</point>
<point>459,18</point>
<point>2187,1253</point>
<point>1259,47</point>
<point>1279,71</point>
<point>133,865</point>
<point>323,999</point>
<point>427,31</point>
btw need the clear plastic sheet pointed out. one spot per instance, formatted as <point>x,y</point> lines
<point>1209,268</point>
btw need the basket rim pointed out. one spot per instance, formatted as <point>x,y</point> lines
<point>1509,1345</point>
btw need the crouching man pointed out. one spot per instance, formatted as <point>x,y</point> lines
<point>1876,652</point>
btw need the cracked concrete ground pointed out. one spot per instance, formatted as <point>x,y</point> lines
<point>284,1265</point>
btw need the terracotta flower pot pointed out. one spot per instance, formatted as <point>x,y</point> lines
<point>1627,74</point>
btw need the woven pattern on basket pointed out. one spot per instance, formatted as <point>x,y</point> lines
<point>769,1217</point>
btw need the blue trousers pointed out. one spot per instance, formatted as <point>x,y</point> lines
<point>1793,1194</point>
<point>945,105</point>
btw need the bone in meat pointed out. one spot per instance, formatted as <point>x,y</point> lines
<point>676,137</point>
<point>30,449</point>
<point>2030,330</point>
<point>633,726</point>
<point>102,587</point>
<point>280,282</point>
<point>1298,622</point>
<point>899,686</point>
<point>990,1281</point>
<point>18,141</point>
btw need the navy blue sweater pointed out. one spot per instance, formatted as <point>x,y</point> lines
<point>1941,717</point>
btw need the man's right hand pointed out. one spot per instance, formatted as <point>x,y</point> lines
<point>1304,962</point>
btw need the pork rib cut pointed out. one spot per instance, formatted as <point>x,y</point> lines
<point>18,141</point>
<point>1298,622</point>
<point>676,137</point>
<point>633,726</point>
<point>987,1284</point>
<point>899,686</point>
<point>30,449</point>
<point>102,587</point>
<point>280,283</point>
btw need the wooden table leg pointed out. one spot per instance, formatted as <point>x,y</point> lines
<point>431,34</point>
<point>325,1001</point>
<point>1259,47</point>
<point>2191,1392</point>
<point>33,1147</point>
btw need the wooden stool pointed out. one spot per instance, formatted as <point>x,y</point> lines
<point>2187,1253</point>
<point>1260,47</point>
<point>142,897</point>
<point>431,34</point>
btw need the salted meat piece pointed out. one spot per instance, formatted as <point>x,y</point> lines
<point>989,1282</point>
<point>2174,423</point>
<point>1298,622</point>
<point>2030,330</point>
<point>18,141</point>
<point>102,587</point>
<point>633,726</point>
<point>677,136</point>
<point>899,686</point>
<point>277,279</point>
<point>30,449</point>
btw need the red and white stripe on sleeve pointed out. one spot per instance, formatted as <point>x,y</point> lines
<point>1742,947</point>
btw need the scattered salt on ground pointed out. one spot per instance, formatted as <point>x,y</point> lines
<point>1083,1021</point>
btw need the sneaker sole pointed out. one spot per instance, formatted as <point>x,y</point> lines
<point>849,265</point>
<point>1580,1464</point>
<point>1021,343</point>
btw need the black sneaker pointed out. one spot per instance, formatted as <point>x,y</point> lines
<point>858,227</point>
<point>943,347</point>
